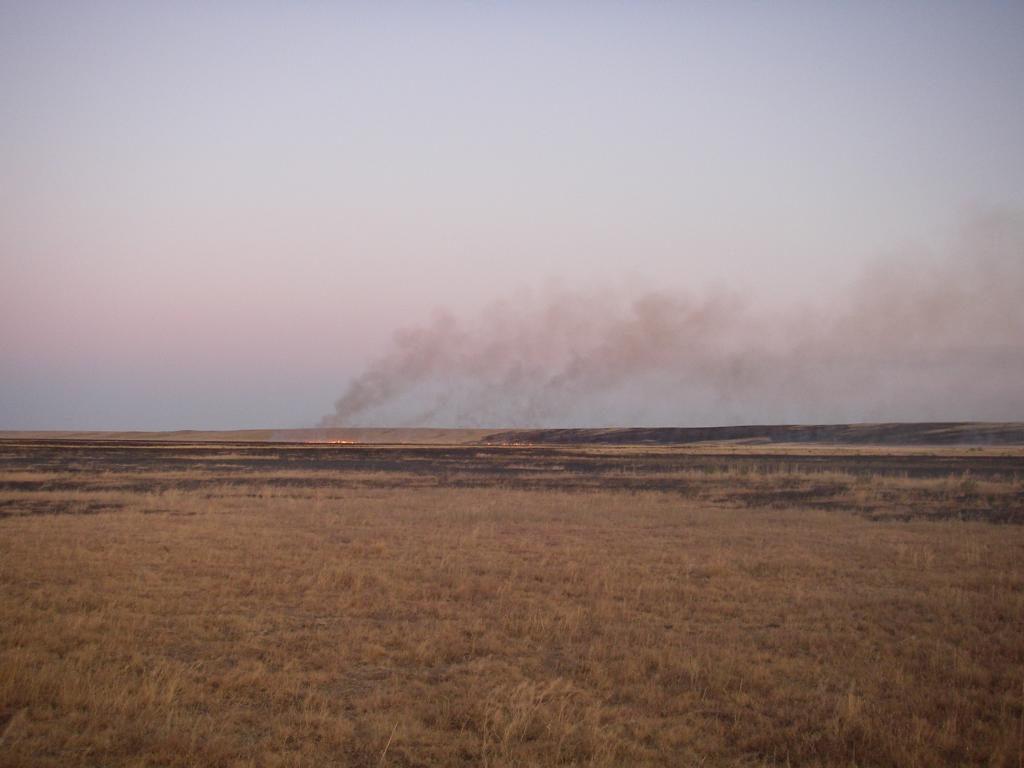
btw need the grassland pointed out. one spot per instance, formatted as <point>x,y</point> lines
<point>186,604</point>
<point>893,434</point>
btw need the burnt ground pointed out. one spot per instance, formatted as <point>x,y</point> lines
<point>485,462</point>
<point>966,483</point>
<point>892,434</point>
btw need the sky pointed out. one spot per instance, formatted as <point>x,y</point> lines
<point>218,215</point>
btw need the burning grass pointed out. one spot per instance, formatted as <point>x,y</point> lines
<point>376,618</point>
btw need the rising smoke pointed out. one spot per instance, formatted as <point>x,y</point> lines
<point>936,339</point>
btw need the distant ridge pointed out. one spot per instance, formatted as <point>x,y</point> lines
<point>895,433</point>
<point>378,435</point>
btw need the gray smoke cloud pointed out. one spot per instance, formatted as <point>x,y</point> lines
<point>914,339</point>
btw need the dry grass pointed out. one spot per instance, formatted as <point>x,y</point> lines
<point>336,621</point>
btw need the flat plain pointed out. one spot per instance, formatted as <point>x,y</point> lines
<point>260,604</point>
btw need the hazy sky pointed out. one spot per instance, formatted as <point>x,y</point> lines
<point>215,214</point>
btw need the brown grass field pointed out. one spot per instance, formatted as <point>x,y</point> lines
<point>241,604</point>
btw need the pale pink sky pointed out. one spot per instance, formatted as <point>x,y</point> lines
<point>215,214</point>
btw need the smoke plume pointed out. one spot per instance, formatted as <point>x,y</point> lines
<point>935,339</point>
